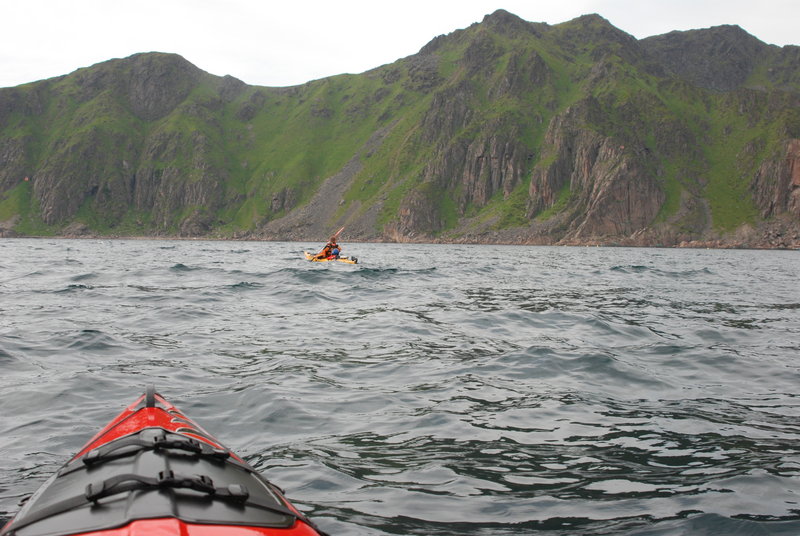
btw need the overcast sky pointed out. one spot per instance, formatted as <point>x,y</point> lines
<point>289,42</point>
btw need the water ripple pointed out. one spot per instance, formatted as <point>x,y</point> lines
<point>530,390</point>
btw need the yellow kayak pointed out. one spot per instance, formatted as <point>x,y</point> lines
<point>313,258</point>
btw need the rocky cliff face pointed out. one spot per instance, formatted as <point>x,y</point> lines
<point>776,186</point>
<point>506,131</point>
<point>108,148</point>
<point>610,185</point>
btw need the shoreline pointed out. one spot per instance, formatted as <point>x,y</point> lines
<point>690,244</point>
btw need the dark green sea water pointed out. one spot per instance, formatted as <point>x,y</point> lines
<point>446,390</point>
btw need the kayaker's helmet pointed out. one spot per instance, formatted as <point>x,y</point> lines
<point>336,251</point>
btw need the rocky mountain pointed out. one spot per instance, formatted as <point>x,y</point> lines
<point>506,131</point>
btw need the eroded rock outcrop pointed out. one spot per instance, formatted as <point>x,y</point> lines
<point>776,187</point>
<point>608,186</point>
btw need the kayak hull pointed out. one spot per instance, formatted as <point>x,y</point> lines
<point>154,471</point>
<point>347,260</point>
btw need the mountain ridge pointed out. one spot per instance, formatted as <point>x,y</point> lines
<point>504,131</point>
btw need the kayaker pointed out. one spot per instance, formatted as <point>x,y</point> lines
<point>328,250</point>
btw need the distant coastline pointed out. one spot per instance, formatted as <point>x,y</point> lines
<point>505,132</point>
<point>793,245</point>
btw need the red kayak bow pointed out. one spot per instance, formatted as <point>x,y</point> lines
<point>154,471</point>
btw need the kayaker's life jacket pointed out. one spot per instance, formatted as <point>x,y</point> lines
<point>327,251</point>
